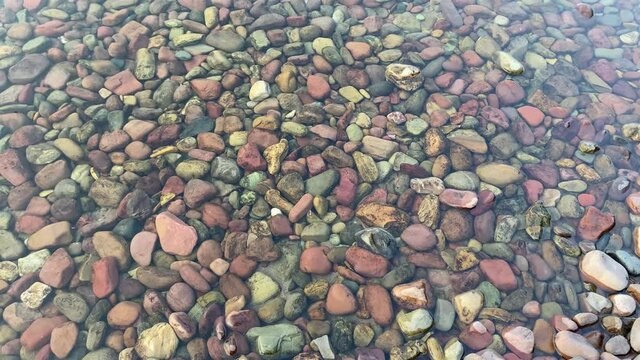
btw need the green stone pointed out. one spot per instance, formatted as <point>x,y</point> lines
<point>415,102</point>
<point>294,128</point>
<point>351,93</point>
<point>281,341</point>
<point>415,323</point>
<point>549,309</point>
<point>407,21</point>
<point>317,231</point>
<point>323,183</point>
<point>416,126</point>
<point>272,311</point>
<point>294,306</point>
<point>491,294</point>
<point>354,132</point>
<point>444,315</point>
<point>499,250</point>
<point>462,180</point>
<point>35,45</point>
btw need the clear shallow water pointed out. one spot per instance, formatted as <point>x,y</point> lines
<point>192,179</point>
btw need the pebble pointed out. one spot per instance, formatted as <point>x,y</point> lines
<point>601,270</point>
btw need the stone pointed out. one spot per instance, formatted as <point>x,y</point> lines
<point>499,273</point>
<point>383,216</point>
<point>570,345</point>
<point>158,341</point>
<point>63,339</point>
<point>600,269</point>
<point>176,237</point>
<point>281,341</point>
<point>262,287</point>
<point>53,235</point>
<point>498,174</point>
<point>366,263</point>
<point>28,69</point>
<point>340,300</point>
<point>58,270</point>
<point>594,223</point>
<point>405,77</point>
<point>468,305</point>
<point>314,261</point>
<point>519,339</point>
<point>419,237</point>
<point>415,323</point>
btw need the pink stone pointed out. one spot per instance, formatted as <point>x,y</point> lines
<point>520,340</point>
<point>58,269</point>
<point>346,189</point>
<point>419,237</point>
<point>318,87</point>
<point>633,202</point>
<point>104,279</point>
<point>594,223</point>
<point>532,115</point>
<point>176,237</point>
<point>14,168</point>
<point>301,208</point>
<point>509,92</point>
<point>324,131</point>
<point>314,261</point>
<point>250,159</point>
<point>123,83</point>
<point>586,200</point>
<point>499,273</point>
<point>476,336</point>
<point>459,198</point>
<point>206,89</point>
<point>533,190</point>
<point>531,309</point>
<point>366,263</point>
<point>142,246</point>
<point>340,300</point>
<point>316,164</point>
<point>215,215</point>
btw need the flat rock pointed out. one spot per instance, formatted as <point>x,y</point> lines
<point>600,269</point>
<point>176,237</point>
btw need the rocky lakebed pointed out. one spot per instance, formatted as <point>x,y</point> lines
<point>319,179</point>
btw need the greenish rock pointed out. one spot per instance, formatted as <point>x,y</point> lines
<point>95,335</point>
<point>505,229</point>
<point>145,67</point>
<point>323,183</point>
<point>317,231</point>
<point>342,335</point>
<point>187,39</point>
<point>281,341</point>
<point>486,46</point>
<point>332,54</point>
<point>262,287</point>
<point>537,219</point>
<point>192,169</point>
<point>399,158</point>
<point>499,250</point>
<point>491,294</point>
<point>609,54</point>
<point>294,128</point>
<point>259,40</point>
<point>12,248</point>
<point>363,335</point>
<point>251,181</point>
<point>567,246</point>
<point>33,262</point>
<point>381,88</point>
<point>225,169</point>
<point>36,45</point>
<point>398,275</point>
<point>515,300</point>
<point>107,193</point>
<point>462,180</point>
<point>568,206</point>
<point>212,297</point>
<point>416,126</point>
<point>272,310</point>
<point>351,93</point>
<point>415,102</point>
<point>415,323</point>
<point>71,305</point>
<point>390,55</point>
<point>576,186</point>
<point>444,315</point>
<point>407,22</point>
<point>354,132</point>
<point>55,14</point>
<point>163,96</point>
<point>294,306</point>
<point>549,309</point>
<point>42,154</point>
<point>504,146</point>
<point>99,311</point>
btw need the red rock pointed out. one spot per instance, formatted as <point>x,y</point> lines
<point>378,304</point>
<point>176,237</point>
<point>206,89</point>
<point>53,235</point>
<point>476,336</point>
<point>104,279</point>
<point>359,50</point>
<point>301,208</point>
<point>197,191</point>
<point>215,215</point>
<point>509,92</point>
<point>39,332</point>
<point>318,87</point>
<point>540,269</point>
<point>51,174</point>
<point>280,226</point>
<point>633,202</point>
<point>414,295</point>
<point>340,300</point>
<point>26,135</point>
<point>419,237</point>
<point>366,263</point>
<point>30,224</point>
<point>546,172</point>
<point>486,199</point>
<point>532,115</point>
<point>113,140</point>
<point>14,168</point>
<point>459,198</point>
<point>594,223</point>
<point>314,261</point>
<point>533,190</point>
<point>346,189</point>
<point>472,59</point>
<point>495,115</point>
<point>499,273</point>
<point>586,200</point>
<point>63,339</point>
<point>123,83</point>
<point>58,269</point>
<point>324,131</point>
<point>250,159</point>
<point>142,246</point>
<point>123,314</point>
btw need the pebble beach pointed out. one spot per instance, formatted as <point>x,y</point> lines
<point>319,179</point>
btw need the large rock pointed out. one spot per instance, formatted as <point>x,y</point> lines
<point>53,235</point>
<point>282,341</point>
<point>176,237</point>
<point>571,345</point>
<point>28,69</point>
<point>600,269</point>
<point>158,341</point>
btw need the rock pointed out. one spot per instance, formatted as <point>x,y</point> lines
<point>459,198</point>
<point>366,263</point>
<point>39,332</point>
<point>35,295</point>
<point>594,223</point>
<point>405,77</point>
<point>107,193</point>
<point>58,270</point>
<point>468,305</point>
<point>63,339</point>
<point>415,323</point>
<point>509,64</point>
<point>262,287</point>
<point>570,345</point>
<point>53,235</point>
<point>378,241</point>
<point>141,247</point>
<point>158,341</point>
<point>314,261</point>
<point>600,269</point>
<point>499,273</point>
<point>13,167</point>
<point>176,237</point>
<point>28,69</point>
<point>104,277</point>
<point>340,300</point>
<point>498,174</point>
<point>413,295</point>
<point>282,341</point>
<point>419,237</point>
<point>379,149</point>
<point>509,92</point>
<point>383,216</point>
<point>12,248</point>
<point>378,304</point>
<point>519,339</point>
<point>226,40</point>
<point>318,87</point>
